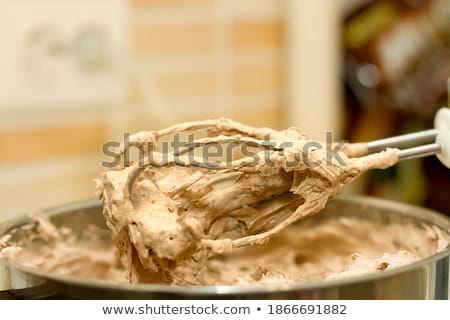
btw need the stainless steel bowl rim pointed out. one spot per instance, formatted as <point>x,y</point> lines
<point>238,289</point>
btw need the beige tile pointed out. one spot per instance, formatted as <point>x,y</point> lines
<point>30,144</point>
<point>264,116</point>
<point>257,34</point>
<point>169,3</point>
<point>257,78</point>
<point>186,84</point>
<point>47,191</point>
<point>172,39</point>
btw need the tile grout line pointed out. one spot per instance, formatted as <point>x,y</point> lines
<point>264,10</point>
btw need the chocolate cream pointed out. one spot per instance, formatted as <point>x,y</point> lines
<point>312,250</point>
<point>171,214</point>
<point>177,221</point>
<point>88,254</point>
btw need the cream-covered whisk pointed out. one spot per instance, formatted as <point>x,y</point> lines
<point>176,208</point>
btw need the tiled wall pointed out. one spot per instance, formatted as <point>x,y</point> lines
<point>212,58</point>
<point>188,59</point>
<point>48,159</point>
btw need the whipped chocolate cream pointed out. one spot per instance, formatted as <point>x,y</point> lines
<point>169,217</point>
<point>89,255</point>
<point>183,223</point>
<point>323,250</point>
<point>313,250</point>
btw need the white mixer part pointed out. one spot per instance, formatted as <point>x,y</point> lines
<point>442,124</point>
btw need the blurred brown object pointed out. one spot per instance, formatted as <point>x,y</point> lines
<point>437,197</point>
<point>398,53</point>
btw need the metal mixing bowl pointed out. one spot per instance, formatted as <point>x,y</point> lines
<point>425,279</point>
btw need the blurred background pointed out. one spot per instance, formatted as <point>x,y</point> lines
<point>75,74</point>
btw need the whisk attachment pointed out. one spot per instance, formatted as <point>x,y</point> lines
<point>172,212</point>
<point>420,144</point>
